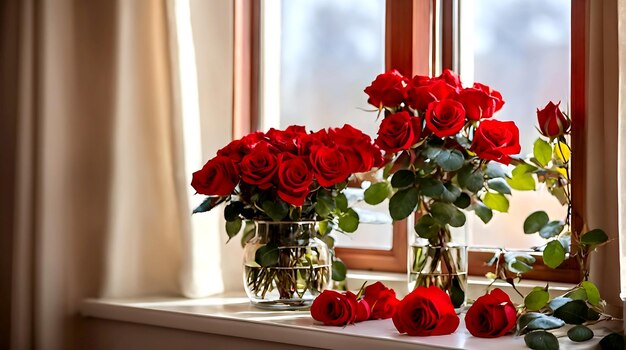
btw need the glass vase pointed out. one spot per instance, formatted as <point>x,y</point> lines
<point>285,265</point>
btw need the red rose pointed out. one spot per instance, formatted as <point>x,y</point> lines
<point>237,149</point>
<point>496,140</point>
<point>381,299</point>
<point>492,315</point>
<point>451,79</point>
<point>286,140</point>
<point>363,311</point>
<point>294,179</point>
<point>218,177</point>
<point>552,122</point>
<point>258,167</point>
<point>477,103</point>
<point>357,147</point>
<point>388,89</point>
<point>445,118</point>
<point>494,94</point>
<point>426,311</point>
<point>423,91</point>
<point>330,165</point>
<point>398,132</point>
<point>334,308</point>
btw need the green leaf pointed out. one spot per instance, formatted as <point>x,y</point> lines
<point>551,229</point>
<point>463,201</point>
<point>517,266</point>
<point>377,193</point>
<point>580,333</point>
<point>522,169</point>
<point>403,202</point>
<point>593,294</point>
<point>403,178</point>
<point>427,226</point>
<point>446,214</point>
<point>578,293</point>
<point>553,254</point>
<point>267,255</point>
<point>457,294</point>
<point>276,210</point>
<point>341,202</point>
<point>431,152</point>
<point>470,179</point>
<point>574,312</point>
<point>499,185</point>
<point>562,152</point>
<point>613,341</point>
<point>535,221</point>
<point>349,222</point>
<point>450,160</point>
<point>324,227</point>
<point>232,211</point>
<point>324,205</point>
<point>339,271</point>
<point>432,188</point>
<point>496,201</point>
<point>542,152</point>
<point>233,228</point>
<point>485,214</point>
<point>535,320</point>
<point>536,299</point>
<point>208,203</point>
<point>558,302</point>
<point>594,237</point>
<point>541,340</point>
<point>522,182</point>
<point>248,232</point>
<point>450,193</point>
<point>495,169</point>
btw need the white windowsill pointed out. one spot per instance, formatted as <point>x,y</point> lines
<point>232,315</point>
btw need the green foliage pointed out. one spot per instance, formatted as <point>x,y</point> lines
<point>276,210</point>
<point>403,178</point>
<point>578,293</point>
<point>470,179</point>
<point>339,271</point>
<point>484,213</point>
<point>535,320</point>
<point>542,152</point>
<point>521,178</point>
<point>541,340</point>
<point>579,333</point>
<point>349,221</point>
<point>427,226</point>
<point>613,341</point>
<point>447,214</point>
<point>535,221</point>
<point>573,312</point>
<point>518,262</point>
<point>208,203</point>
<point>463,201</point>
<point>325,204</point>
<point>499,185</point>
<point>553,254</point>
<point>496,201</point>
<point>233,228</point>
<point>593,294</point>
<point>233,210</point>
<point>248,232</point>
<point>377,193</point>
<point>341,202</point>
<point>432,188</point>
<point>562,152</point>
<point>450,160</point>
<point>558,302</point>
<point>403,202</point>
<point>536,299</point>
<point>450,193</point>
<point>267,255</point>
<point>594,238</point>
<point>551,229</point>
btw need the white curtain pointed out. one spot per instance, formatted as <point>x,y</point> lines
<point>101,202</point>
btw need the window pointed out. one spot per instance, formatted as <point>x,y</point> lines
<point>317,56</point>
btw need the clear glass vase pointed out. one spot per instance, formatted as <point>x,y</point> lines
<point>285,265</point>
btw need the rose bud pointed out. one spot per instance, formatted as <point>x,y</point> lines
<point>445,118</point>
<point>496,140</point>
<point>398,132</point>
<point>218,177</point>
<point>335,309</point>
<point>387,90</point>
<point>552,122</point>
<point>492,315</point>
<point>424,312</point>
<point>381,299</point>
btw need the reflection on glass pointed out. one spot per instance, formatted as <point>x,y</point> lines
<point>330,50</point>
<point>522,49</point>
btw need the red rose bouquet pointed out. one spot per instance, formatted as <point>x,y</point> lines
<point>440,142</point>
<point>287,176</point>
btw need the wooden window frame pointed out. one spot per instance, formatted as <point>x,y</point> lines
<point>412,46</point>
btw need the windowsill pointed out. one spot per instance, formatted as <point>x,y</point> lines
<point>232,315</point>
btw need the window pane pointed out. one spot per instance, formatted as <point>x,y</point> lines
<point>522,49</point>
<point>330,51</point>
